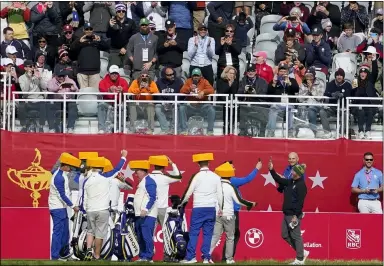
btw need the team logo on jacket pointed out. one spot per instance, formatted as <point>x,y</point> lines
<point>353,238</point>
<point>254,238</point>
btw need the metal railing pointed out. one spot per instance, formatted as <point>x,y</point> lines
<point>6,99</point>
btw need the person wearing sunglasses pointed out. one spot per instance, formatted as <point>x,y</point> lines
<point>66,39</point>
<point>49,50</point>
<point>368,185</point>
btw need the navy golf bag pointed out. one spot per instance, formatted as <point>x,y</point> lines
<point>175,233</point>
<point>126,245</point>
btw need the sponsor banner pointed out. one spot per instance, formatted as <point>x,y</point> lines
<point>26,164</point>
<point>328,236</point>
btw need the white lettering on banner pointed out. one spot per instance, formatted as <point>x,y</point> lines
<point>254,238</point>
<point>310,244</point>
<point>158,237</point>
<point>353,238</point>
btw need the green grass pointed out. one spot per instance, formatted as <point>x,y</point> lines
<point>260,262</point>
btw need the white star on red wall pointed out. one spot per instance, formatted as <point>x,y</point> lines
<point>318,180</point>
<point>269,179</point>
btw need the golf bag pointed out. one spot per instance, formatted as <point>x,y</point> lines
<point>175,233</point>
<point>79,238</point>
<point>126,245</point>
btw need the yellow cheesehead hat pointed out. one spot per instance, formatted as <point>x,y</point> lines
<point>108,165</point>
<point>225,170</point>
<point>98,162</point>
<point>86,155</point>
<point>69,159</point>
<point>202,157</point>
<point>160,160</point>
<point>139,164</point>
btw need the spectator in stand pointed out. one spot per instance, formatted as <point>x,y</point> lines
<point>46,19</point>
<point>286,9</point>
<point>293,22</point>
<point>253,84</point>
<point>41,61</point>
<point>43,69</point>
<point>368,184</point>
<point>373,39</point>
<point>201,50</point>
<point>60,84</point>
<point>375,64</point>
<point>220,14</point>
<point>282,85</point>
<point>356,15</point>
<point>141,51</point>
<point>323,10</point>
<point>120,31</point>
<point>17,15</point>
<point>312,86</point>
<point>100,14</point>
<point>364,88</point>
<point>112,82</point>
<point>228,50</point>
<point>66,63</point>
<point>348,42</point>
<point>262,69</point>
<point>9,67</point>
<point>318,53</point>
<point>50,51</point>
<point>245,7</point>
<point>198,16</point>
<point>200,86</point>
<point>88,48</point>
<point>296,69</point>
<point>377,22</point>
<point>167,83</point>
<point>331,34</point>
<point>66,40</point>
<point>170,48</point>
<point>23,51</point>
<point>156,13</point>
<point>291,45</point>
<point>182,14</point>
<point>135,11</point>
<point>336,89</point>
<point>72,14</point>
<point>31,82</point>
<point>143,84</point>
<point>243,24</point>
<point>262,9</point>
<point>18,63</point>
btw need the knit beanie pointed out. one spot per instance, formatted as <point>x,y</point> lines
<point>295,10</point>
<point>62,52</point>
<point>120,6</point>
<point>340,72</point>
<point>325,23</point>
<point>299,169</point>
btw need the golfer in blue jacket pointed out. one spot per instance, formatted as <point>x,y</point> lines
<point>237,182</point>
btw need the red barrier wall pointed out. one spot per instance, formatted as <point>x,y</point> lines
<point>326,235</point>
<point>332,164</point>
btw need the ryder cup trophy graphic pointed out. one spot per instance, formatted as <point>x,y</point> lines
<point>35,178</point>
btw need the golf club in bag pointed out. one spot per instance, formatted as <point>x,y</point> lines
<point>175,232</point>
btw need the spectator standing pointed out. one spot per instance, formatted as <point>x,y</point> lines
<point>262,9</point>
<point>17,15</point>
<point>286,8</point>
<point>262,69</point>
<point>318,53</point>
<point>243,24</point>
<point>46,19</point>
<point>72,14</point>
<point>112,82</point>
<point>348,42</point>
<point>377,22</point>
<point>66,40</point>
<point>323,10</point>
<point>170,48</point>
<point>293,159</point>
<point>290,44</point>
<point>167,83</point>
<point>157,13</point>
<point>141,50</point>
<point>198,15</point>
<point>201,49</point>
<point>200,86</point>
<point>356,15</point>
<point>135,11</point>
<point>100,14</point>
<point>331,34</point>
<point>49,50</point>
<point>368,184</point>
<point>120,30</point>
<point>22,49</point>
<point>220,14</point>
<point>88,48</point>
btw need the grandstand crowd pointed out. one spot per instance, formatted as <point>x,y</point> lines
<point>304,49</point>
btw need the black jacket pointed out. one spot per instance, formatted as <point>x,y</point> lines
<point>234,49</point>
<point>294,194</point>
<point>120,33</point>
<point>172,55</point>
<point>255,86</point>
<point>332,87</point>
<point>282,49</point>
<point>279,89</point>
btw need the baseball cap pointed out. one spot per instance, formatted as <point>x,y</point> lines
<point>28,63</point>
<point>10,50</point>
<point>317,31</point>
<point>113,69</point>
<point>283,66</point>
<point>61,71</point>
<point>196,72</point>
<point>169,23</point>
<point>291,32</point>
<point>87,25</point>
<point>202,26</point>
<point>67,28</point>
<point>251,68</point>
<point>261,54</point>
<point>7,61</point>
<point>144,21</point>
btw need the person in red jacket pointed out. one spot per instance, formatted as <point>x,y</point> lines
<point>262,69</point>
<point>112,82</point>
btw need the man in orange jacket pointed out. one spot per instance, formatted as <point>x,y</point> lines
<point>143,84</point>
<point>200,88</point>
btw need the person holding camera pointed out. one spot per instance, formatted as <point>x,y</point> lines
<point>324,10</point>
<point>31,82</point>
<point>357,15</point>
<point>368,184</point>
<point>289,45</point>
<point>252,84</point>
<point>296,69</point>
<point>282,85</point>
<point>295,192</point>
<point>88,48</point>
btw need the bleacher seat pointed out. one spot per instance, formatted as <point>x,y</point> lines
<point>267,22</point>
<point>346,61</point>
<point>250,35</point>
<point>185,68</point>
<point>88,109</point>
<point>321,76</point>
<point>103,67</point>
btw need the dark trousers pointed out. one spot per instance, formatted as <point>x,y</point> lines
<point>365,116</point>
<point>206,71</point>
<point>215,32</point>
<point>293,236</point>
<point>248,114</point>
<point>184,34</point>
<point>237,236</point>
<point>24,110</point>
<point>54,118</point>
